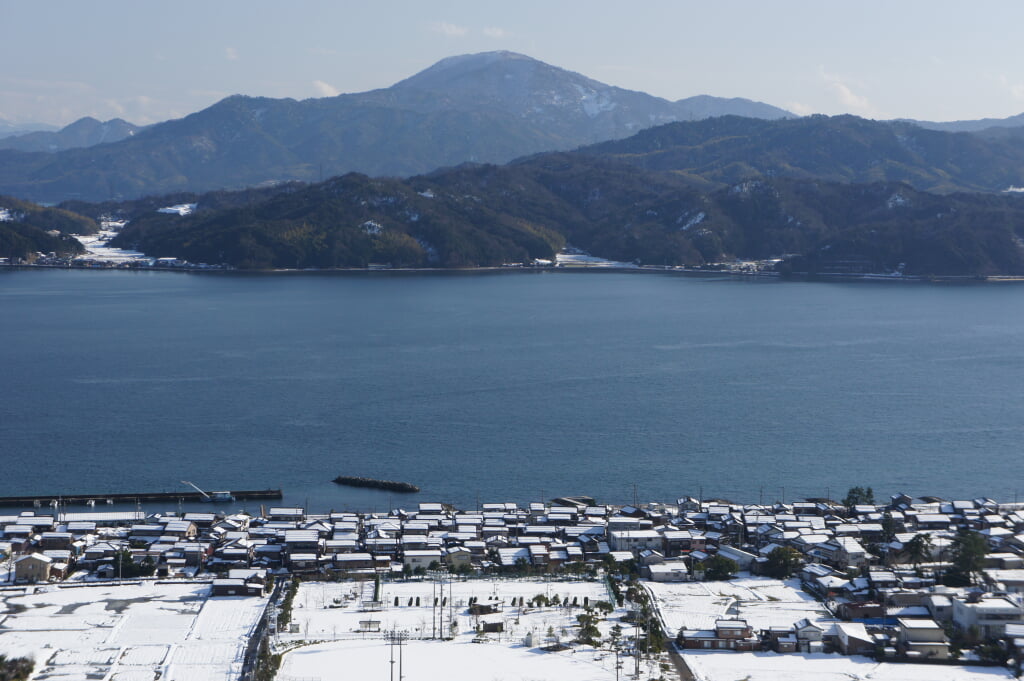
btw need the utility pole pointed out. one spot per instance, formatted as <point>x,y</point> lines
<point>636,652</point>
<point>437,618</point>
<point>396,638</point>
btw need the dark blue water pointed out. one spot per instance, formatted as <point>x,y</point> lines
<point>507,387</point>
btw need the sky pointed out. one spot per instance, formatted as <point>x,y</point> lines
<point>152,61</point>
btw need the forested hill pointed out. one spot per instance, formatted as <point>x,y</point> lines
<point>490,215</point>
<point>26,229</point>
<point>720,151</point>
<point>349,221</point>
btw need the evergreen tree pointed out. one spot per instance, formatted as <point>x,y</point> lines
<point>859,495</point>
<point>720,568</point>
<point>968,553</point>
<point>919,548</point>
<point>782,562</point>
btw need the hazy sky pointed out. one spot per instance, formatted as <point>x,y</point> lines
<point>149,61</point>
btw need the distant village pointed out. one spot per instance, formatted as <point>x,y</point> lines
<point>93,263</point>
<point>909,579</point>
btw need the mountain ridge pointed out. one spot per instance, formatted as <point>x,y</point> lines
<point>728,149</point>
<point>85,132</point>
<point>487,215</point>
<point>970,125</point>
<point>493,107</point>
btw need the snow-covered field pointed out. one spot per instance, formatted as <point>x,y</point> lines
<point>97,248</point>
<point>129,632</point>
<point>317,617</point>
<point>459,660</point>
<point>729,666</point>
<point>761,601</point>
<point>315,620</point>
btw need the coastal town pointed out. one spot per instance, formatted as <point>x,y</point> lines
<point>695,589</point>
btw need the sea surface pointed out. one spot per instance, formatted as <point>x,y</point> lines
<point>508,386</point>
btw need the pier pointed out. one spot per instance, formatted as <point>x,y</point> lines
<point>133,497</point>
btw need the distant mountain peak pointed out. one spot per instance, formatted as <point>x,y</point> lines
<point>494,66</point>
<point>482,58</point>
<point>85,132</point>
<point>488,107</point>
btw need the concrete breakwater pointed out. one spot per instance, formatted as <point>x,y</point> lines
<point>371,483</point>
<point>131,497</point>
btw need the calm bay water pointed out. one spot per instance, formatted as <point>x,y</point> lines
<point>507,387</point>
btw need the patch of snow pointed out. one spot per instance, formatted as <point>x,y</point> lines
<point>1015,190</point>
<point>372,227</point>
<point>180,209</point>
<point>897,200</point>
<point>745,187</point>
<point>427,194</point>
<point>564,259</point>
<point>593,102</point>
<point>692,222</point>
<point>97,246</point>
<point>5,215</point>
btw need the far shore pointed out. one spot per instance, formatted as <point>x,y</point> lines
<point>632,269</point>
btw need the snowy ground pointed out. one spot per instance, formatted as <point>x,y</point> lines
<point>128,633</point>
<point>729,666</point>
<point>458,660</point>
<point>317,617</point>
<point>761,601</point>
<point>316,620</point>
<point>578,260</point>
<point>96,248</point>
<point>766,603</point>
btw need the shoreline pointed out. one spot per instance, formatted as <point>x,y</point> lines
<point>677,271</point>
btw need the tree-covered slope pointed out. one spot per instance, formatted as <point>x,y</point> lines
<point>489,215</point>
<point>730,149</point>
<point>350,221</point>
<point>26,229</point>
